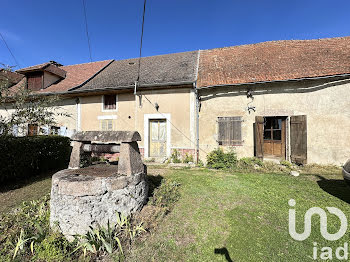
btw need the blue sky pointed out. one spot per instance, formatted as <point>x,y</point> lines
<point>38,31</point>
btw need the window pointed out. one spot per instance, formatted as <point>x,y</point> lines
<point>230,131</point>
<point>33,129</point>
<point>109,102</point>
<point>107,125</point>
<point>55,130</point>
<point>273,128</point>
<point>35,81</point>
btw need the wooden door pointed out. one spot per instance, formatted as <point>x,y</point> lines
<point>259,136</point>
<point>274,137</point>
<point>158,137</point>
<point>298,139</point>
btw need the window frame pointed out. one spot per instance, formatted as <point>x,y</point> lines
<point>103,109</point>
<point>230,142</point>
<point>107,121</point>
<point>271,130</point>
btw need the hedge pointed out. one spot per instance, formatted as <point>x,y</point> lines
<point>23,157</point>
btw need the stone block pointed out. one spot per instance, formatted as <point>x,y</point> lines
<point>130,161</point>
<point>75,156</point>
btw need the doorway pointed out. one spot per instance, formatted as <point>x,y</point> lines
<point>157,137</point>
<point>274,137</point>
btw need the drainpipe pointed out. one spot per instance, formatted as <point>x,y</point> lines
<point>197,121</point>
<point>78,123</point>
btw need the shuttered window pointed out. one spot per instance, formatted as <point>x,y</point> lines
<point>110,102</point>
<point>230,131</point>
<point>35,81</point>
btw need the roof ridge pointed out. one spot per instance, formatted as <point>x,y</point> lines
<point>281,41</point>
<point>157,55</point>
<point>107,60</point>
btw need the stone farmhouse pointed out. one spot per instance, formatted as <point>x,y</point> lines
<point>273,100</point>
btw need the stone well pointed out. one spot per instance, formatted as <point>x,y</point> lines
<point>91,196</point>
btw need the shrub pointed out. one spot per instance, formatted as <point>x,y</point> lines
<point>54,247</point>
<point>175,156</point>
<point>22,157</point>
<point>200,163</point>
<point>250,162</point>
<point>166,194</point>
<point>188,158</point>
<point>218,159</point>
<point>286,163</point>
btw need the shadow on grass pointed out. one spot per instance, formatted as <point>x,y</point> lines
<point>153,182</point>
<point>335,187</point>
<point>223,251</point>
<point>22,182</point>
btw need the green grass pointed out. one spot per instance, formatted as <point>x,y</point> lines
<point>11,195</point>
<point>245,213</point>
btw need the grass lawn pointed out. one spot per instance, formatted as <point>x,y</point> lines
<point>243,217</point>
<point>223,216</point>
<point>14,194</point>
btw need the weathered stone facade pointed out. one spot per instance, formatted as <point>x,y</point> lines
<point>79,201</point>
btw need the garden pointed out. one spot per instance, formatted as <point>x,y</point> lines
<point>231,210</point>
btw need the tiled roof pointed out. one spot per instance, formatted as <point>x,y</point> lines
<point>155,70</point>
<point>274,61</point>
<point>49,66</point>
<point>11,77</point>
<point>76,75</point>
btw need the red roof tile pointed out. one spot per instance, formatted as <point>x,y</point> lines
<point>76,75</point>
<point>49,67</point>
<point>274,61</point>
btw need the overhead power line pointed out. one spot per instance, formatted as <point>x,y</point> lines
<point>178,129</point>
<point>87,30</point>
<point>143,23</point>
<point>8,48</point>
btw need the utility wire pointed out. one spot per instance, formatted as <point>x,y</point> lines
<point>138,77</point>
<point>87,31</point>
<point>189,139</point>
<point>8,48</point>
<point>143,23</point>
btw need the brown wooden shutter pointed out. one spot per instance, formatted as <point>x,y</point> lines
<point>35,81</point>
<point>298,139</point>
<point>230,131</point>
<point>259,136</point>
<point>222,131</point>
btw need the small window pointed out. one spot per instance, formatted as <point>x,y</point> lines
<point>273,129</point>
<point>109,102</point>
<point>230,131</point>
<point>55,130</point>
<point>33,129</point>
<point>35,81</point>
<point>107,125</point>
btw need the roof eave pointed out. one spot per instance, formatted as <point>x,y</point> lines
<point>274,81</point>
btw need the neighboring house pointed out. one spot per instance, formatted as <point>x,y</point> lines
<point>281,100</point>
<point>161,108</point>
<point>274,100</point>
<point>53,78</point>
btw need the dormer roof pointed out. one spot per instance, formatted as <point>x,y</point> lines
<point>52,67</point>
